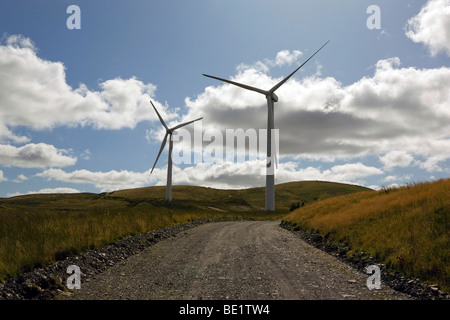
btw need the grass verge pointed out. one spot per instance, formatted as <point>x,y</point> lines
<point>405,228</point>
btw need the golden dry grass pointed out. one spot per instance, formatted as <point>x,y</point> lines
<point>37,237</point>
<point>39,229</point>
<point>407,228</point>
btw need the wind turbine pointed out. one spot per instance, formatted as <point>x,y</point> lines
<point>169,132</point>
<point>271,98</point>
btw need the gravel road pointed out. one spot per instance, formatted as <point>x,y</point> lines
<point>250,260</point>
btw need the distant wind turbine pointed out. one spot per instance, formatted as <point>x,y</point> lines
<point>169,132</point>
<point>271,98</point>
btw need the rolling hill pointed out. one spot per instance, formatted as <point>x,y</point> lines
<point>405,228</point>
<point>40,228</point>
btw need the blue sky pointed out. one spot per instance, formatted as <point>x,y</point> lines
<point>372,108</point>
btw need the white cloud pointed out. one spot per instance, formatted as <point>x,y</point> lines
<point>390,178</point>
<point>224,175</point>
<point>396,158</point>
<point>45,190</point>
<point>8,135</point>
<point>19,41</point>
<point>34,93</point>
<point>431,26</point>
<point>86,154</point>
<point>398,108</point>
<point>432,163</point>
<point>283,57</point>
<point>218,176</point>
<point>397,178</point>
<point>20,178</point>
<point>390,186</point>
<point>34,156</point>
<point>353,171</point>
<point>2,177</point>
<point>105,181</point>
<point>347,173</point>
<point>287,57</point>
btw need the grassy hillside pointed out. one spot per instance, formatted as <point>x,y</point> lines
<point>406,228</point>
<point>39,229</point>
<point>238,200</point>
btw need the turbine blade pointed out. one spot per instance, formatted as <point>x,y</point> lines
<point>239,85</point>
<point>279,84</point>
<point>184,124</point>
<point>160,150</point>
<point>159,116</point>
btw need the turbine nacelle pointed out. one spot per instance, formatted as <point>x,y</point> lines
<point>274,97</point>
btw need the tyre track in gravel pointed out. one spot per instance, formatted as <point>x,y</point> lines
<point>250,260</point>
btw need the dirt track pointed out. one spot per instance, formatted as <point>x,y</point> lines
<point>232,260</point>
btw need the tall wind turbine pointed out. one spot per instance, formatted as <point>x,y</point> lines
<point>169,132</point>
<point>271,98</point>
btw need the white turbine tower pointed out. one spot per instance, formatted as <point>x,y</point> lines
<point>271,98</point>
<point>169,132</point>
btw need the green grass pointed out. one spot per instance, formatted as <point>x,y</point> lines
<point>39,229</point>
<point>406,228</point>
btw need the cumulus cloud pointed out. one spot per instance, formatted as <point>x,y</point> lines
<point>7,135</point>
<point>353,171</point>
<point>226,175</point>
<point>287,57</point>
<point>20,178</point>
<point>283,57</point>
<point>431,26</point>
<point>34,93</point>
<point>397,178</point>
<point>397,114</point>
<point>105,181</point>
<point>35,156</point>
<point>396,158</point>
<point>346,173</point>
<point>46,190</point>
<point>397,108</point>
<point>2,177</point>
<point>19,41</point>
<point>86,154</point>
